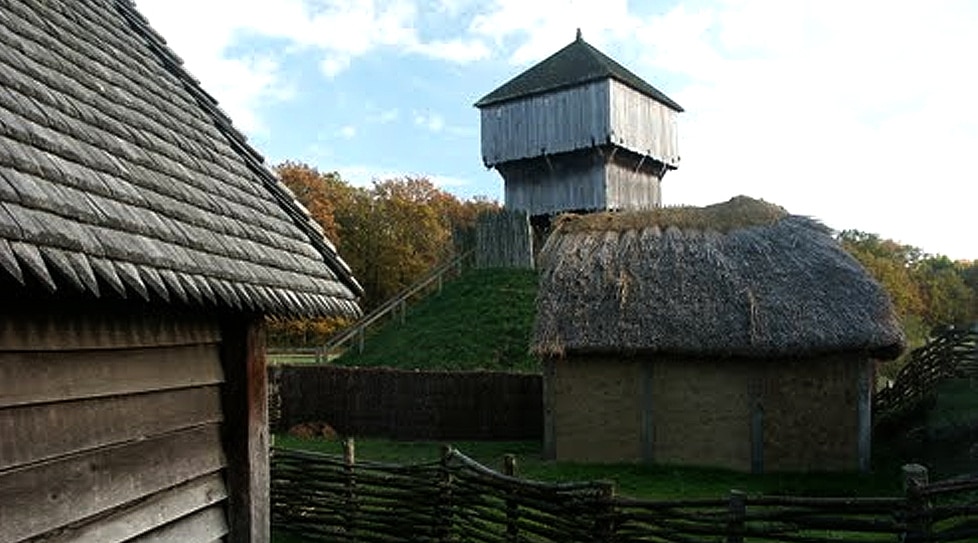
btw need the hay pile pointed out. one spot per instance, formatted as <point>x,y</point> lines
<point>741,278</point>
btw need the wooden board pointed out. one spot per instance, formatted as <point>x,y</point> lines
<point>88,327</point>
<point>31,377</point>
<point>145,515</point>
<point>44,431</point>
<point>48,496</point>
<point>201,527</point>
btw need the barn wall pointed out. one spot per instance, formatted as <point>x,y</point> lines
<point>597,412</point>
<point>552,123</point>
<point>111,427</point>
<point>555,184</point>
<point>700,414</point>
<point>642,125</point>
<point>774,415</point>
<point>811,414</point>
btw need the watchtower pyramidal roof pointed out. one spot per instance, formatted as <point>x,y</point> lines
<point>576,64</point>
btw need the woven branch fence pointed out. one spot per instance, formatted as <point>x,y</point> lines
<point>327,498</point>
<point>952,354</point>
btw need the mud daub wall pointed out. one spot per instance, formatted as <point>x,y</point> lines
<point>399,404</point>
<point>770,415</point>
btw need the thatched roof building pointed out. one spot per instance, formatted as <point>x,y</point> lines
<point>742,278</point>
<point>142,243</point>
<point>741,287</point>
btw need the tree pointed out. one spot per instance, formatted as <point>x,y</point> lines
<point>390,233</point>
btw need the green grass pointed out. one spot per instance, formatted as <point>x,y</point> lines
<point>482,320</point>
<point>635,480</point>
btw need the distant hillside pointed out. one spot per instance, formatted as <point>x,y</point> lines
<point>480,321</point>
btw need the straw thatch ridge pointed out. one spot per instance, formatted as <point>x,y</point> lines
<point>739,279</point>
<point>119,174</point>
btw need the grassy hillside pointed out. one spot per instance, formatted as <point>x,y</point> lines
<point>482,320</point>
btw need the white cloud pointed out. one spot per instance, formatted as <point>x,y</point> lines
<point>348,132</point>
<point>386,116</point>
<point>861,120</point>
<point>432,122</point>
<point>543,26</point>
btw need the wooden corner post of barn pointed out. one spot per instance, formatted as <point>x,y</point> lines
<point>245,402</point>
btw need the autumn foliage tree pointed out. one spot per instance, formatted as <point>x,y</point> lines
<point>927,291</point>
<point>390,233</point>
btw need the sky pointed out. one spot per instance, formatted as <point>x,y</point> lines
<point>859,113</point>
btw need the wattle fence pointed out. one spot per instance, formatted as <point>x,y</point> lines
<point>327,498</point>
<point>952,354</point>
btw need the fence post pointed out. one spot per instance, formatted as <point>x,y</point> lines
<point>737,513</point>
<point>446,512</point>
<point>512,508</point>
<point>915,478</point>
<point>605,525</point>
<point>349,461</point>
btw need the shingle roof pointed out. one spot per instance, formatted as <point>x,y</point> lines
<point>576,64</point>
<point>119,173</point>
<point>737,279</point>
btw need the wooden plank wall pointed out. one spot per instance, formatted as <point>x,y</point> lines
<point>110,428</point>
<point>552,123</point>
<point>642,125</point>
<point>550,185</point>
<point>504,239</point>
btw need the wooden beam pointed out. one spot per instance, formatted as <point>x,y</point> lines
<point>864,407</point>
<point>647,431</point>
<point>549,409</point>
<point>246,429</point>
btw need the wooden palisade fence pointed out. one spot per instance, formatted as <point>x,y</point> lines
<point>326,498</point>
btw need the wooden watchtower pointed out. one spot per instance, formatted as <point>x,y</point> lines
<point>579,132</point>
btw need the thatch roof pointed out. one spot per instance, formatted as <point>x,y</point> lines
<point>119,174</point>
<point>576,64</point>
<point>738,279</point>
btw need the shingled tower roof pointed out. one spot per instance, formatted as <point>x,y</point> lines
<point>120,176</point>
<point>576,64</point>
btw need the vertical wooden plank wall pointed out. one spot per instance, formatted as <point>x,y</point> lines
<point>504,239</point>
<point>642,125</point>
<point>546,124</point>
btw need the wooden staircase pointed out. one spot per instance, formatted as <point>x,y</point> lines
<point>396,307</point>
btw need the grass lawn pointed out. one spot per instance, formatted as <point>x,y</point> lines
<point>482,320</point>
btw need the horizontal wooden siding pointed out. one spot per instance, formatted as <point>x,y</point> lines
<point>110,428</point>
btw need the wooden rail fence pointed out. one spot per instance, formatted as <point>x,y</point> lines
<point>327,498</point>
<point>397,306</point>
